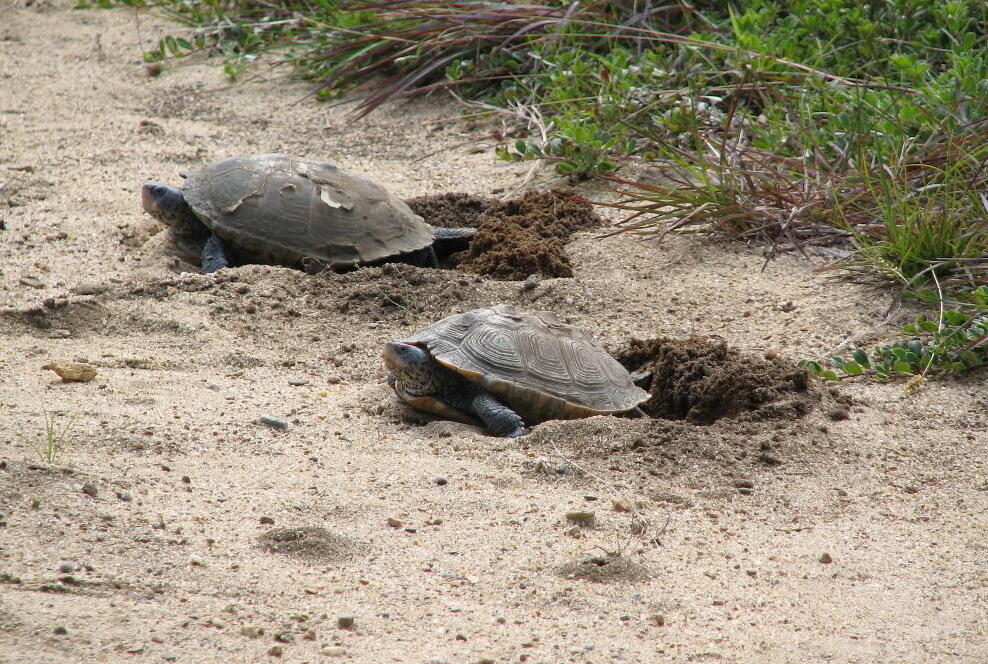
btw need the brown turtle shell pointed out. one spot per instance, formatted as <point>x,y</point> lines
<point>538,365</point>
<point>281,209</point>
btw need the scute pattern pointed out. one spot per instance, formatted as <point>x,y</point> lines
<point>532,360</point>
<point>286,209</point>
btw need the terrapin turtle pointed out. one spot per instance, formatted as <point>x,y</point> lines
<point>284,210</point>
<point>508,368</point>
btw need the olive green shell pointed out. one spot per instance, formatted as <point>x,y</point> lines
<point>538,365</point>
<point>282,210</point>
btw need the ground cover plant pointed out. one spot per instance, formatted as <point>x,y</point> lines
<point>824,126</point>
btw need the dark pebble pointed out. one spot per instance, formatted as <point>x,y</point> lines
<point>89,489</point>
<point>274,422</point>
<point>769,459</point>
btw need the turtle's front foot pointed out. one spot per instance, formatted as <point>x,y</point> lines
<point>214,255</point>
<point>498,418</point>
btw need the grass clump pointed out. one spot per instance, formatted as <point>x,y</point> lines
<point>51,444</point>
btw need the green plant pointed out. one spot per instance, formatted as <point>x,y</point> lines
<point>956,342</point>
<point>51,443</point>
<point>791,122</point>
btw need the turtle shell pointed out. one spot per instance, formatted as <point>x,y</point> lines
<point>280,209</point>
<point>538,365</point>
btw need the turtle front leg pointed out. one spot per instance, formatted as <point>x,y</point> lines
<point>215,254</point>
<point>498,418</point>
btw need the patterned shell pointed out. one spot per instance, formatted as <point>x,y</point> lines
<point>287,209</point>
<point>541,367</point>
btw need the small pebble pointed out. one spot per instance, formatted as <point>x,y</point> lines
<point>744,484</point>
<point>284,637</point>
<point>276,651</point>
<point>771,354</point>
<point>659,619</point>
<point>621,505</point>
<point>440,481</point>
<point>298,382</point>
<point>60,631</point>
<point>769,459</point>
<point>90,489</point>
<point>197,561</point>
<point>72,372</point>
<point>251,631</point>
<point>395,523</point>
<point>66,567</point>
<point>333,651</point>
<point>826,559</point>
<point>33,282</point>
<point>582,518</point>
<point>274,422</point>
<point>531,281</point>
<point>345,622</point>
<point>267,521</point>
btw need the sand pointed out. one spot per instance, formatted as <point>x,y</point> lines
<point>178,528</point>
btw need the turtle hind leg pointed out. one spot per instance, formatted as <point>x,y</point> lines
<point>215,254</point>
<point>424,258</point>
<point>498,418</point>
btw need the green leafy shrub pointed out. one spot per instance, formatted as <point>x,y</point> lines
<point>956,342</point>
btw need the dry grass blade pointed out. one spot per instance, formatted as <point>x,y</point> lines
<point>893,218</point>
<point>412,42</point>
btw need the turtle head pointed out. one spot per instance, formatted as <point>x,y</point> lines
<point>412,366</point>
<point>167,205</point>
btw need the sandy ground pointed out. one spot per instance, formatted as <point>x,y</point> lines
<point>145,541</point>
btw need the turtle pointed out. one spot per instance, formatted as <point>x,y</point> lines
<point>283,210</point>
<point>508,368</point>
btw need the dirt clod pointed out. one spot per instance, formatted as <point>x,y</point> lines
<point>703,379</point>
<point>516,238</point>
